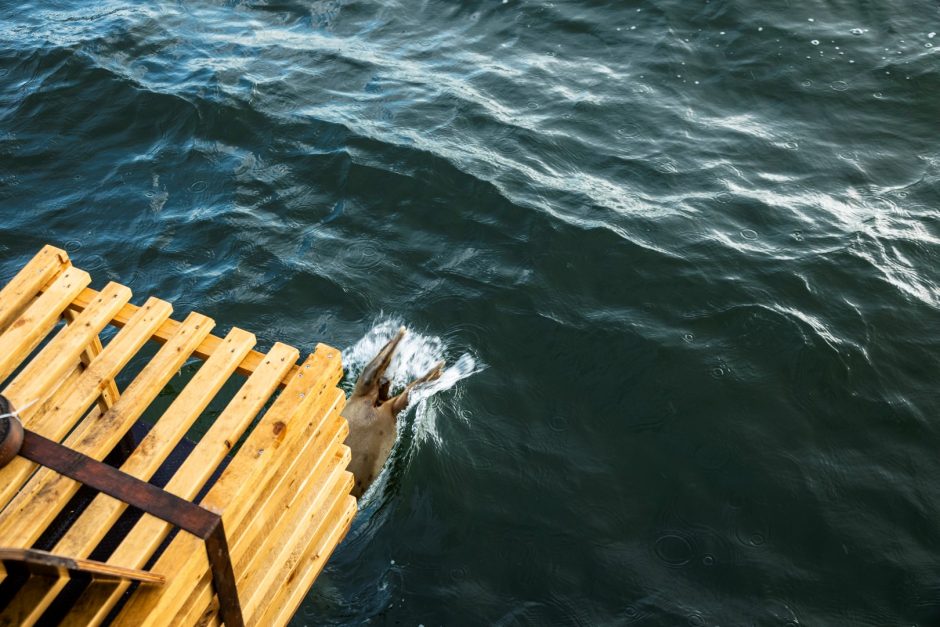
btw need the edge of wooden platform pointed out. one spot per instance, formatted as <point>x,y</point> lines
<point>49,277</point>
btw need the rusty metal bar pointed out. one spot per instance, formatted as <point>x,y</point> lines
<point>121,486</point>
<point>46,563</point>
<point>223,577</point>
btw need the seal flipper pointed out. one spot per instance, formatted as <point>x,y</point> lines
<point>400,402</point>
<point>371,378</point>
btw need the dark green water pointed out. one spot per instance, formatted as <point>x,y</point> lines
<point>695,244</point>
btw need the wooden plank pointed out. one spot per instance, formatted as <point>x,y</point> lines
<point>166,433</point>
<point>88,530</point>
<point>264,505</point>
<point>293,536</point>
<point>48,369</point>
<point>110,393</point>
<point>149,532</point>
<point>269,566</point>
<point>191,475</point>
<point>265,439</point>
<point>28,329</point>
<point>22,288</point>
<point>307,410</point>
<point>46,562</point>
<point>276,508</point>
<point>55,419</point>
<point>281,355</point>
<point>298,583</point>
<point>268,504</point>
<point>55,396</point>
<point>32,599</point>
<point>295,469</point>
<point>286,421</point>
<point>288,430</point>
<point>189,404</point>
<point>321,530</point>
<point>112,359</point>
<point>37,380</point>
<point>204,351</point>
<point>296,476</point>
<point>47,492</point>
<point>36,594</point>
<point>312,555</point>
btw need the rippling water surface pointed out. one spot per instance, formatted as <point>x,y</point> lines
<point>691,247</point>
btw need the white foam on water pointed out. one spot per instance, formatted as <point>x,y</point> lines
<point>416,354</point>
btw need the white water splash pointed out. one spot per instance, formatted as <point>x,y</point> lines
<point>416,354</point>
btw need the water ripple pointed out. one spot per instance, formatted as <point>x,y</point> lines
<point>695,244</point>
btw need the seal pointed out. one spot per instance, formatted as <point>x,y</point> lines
<point>373,415</point>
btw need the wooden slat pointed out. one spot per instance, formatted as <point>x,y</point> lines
<point>318,533</point>
<point>55,419</point>
<point>58,365</point>
<point>88,530</point>
<point>119,351</point>
<point>280,428</point>
<point>69,379</point>
<point>58,563</point>
<point>110,393</point>
<point>28,329</point>
<point>56,395</point>
<point>293,530</point>
<point>36,594</point>
<point>258,543</point>
<point>32,599</point>
<point>297,585</point>
<point>48,369</point>
<point>255,514</point>
<point>293,536</point>
<point>22,288</point>
<point>284,497</point>
<point>188,405</point>
<point>320,536</point>
<point>191,475</point>
<point>300,466</point>
<point>203,351</point>
<point>149,532</point>
<point>299,473</point>
<point>307,411</point>
<point>47,492</point>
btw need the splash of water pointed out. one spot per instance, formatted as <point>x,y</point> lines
<point>416,354</point>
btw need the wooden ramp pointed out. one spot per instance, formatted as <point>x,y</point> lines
<point>283,495</point>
